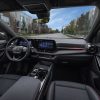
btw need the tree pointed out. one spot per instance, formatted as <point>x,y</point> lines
<point>56,31</point>
<point>71,28</point>
<point>79,26</point>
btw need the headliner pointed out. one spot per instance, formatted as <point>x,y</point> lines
<point>41,7</point>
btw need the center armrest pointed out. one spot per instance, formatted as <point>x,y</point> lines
<point>26,88</point>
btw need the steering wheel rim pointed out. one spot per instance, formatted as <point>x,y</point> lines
<point>26,53</point>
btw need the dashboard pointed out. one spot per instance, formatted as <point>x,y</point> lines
<point>62,50</point>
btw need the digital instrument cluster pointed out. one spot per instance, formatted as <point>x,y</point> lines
<point>23,43</point>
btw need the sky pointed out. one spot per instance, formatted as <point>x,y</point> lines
<point>63,16</point>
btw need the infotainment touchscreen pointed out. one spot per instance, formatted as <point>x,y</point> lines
<point>48,45</point>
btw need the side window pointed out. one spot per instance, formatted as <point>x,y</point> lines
<point>95,16</point>
<point>97,38</point>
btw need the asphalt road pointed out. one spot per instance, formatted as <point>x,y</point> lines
<point>54,35</point>
<point>60,38</point>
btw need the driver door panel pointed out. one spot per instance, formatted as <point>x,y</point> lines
<point>2,48</point>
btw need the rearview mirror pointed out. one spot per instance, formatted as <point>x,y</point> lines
<point>42,21</point>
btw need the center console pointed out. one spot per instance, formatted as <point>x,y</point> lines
<point>42,71</point>
<point>31,87</point>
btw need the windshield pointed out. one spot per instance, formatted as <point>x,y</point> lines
<point>75,22</point>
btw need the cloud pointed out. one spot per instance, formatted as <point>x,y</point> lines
<point>56,20</point>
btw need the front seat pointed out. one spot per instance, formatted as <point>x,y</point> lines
<point>6,81</point>
<point>60,90</point>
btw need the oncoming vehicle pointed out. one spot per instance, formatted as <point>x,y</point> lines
<point>50,50</point>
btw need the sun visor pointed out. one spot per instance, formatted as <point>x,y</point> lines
<point>39,7</point>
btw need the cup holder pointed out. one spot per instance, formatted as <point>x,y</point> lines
<point>39,73</point>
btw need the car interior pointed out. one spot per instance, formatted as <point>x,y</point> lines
<point>49,69</point>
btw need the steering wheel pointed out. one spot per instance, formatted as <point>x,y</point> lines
<point>17,51</point>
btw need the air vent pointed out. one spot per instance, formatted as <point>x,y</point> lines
<point>92,49</point>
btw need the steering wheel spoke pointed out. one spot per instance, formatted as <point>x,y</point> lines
<point>13,57</point>
<point>25,49</point>
<point>16,57</point>
<point>9,48</point>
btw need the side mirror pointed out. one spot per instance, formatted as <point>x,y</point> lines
<point>3,36</point>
